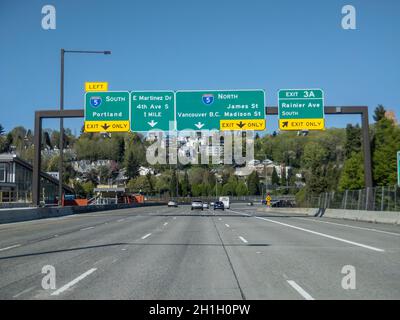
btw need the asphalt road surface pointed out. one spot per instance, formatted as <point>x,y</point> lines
<point>176,253</point>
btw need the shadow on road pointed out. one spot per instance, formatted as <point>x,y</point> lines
<point>136,244</point>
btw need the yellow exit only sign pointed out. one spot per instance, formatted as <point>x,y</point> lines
<point>96,86</point>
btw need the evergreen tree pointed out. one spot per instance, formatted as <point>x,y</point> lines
<point>132,166</point>
<point>275,178</point>
<point>185,185</point>
<point>385,146</point>
<point>2,131</point>
<point>253,183</point>
<point>283,178</point>
<point>353,140</point>
<point>379,113</point>
<point>173,184</point>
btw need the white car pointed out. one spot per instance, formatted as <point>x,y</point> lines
<point>172,203</point>
<point>205,205</point>
<point>197,204</point>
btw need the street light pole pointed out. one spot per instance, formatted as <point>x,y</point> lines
<point>61,143</point>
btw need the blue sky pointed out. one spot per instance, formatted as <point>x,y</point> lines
<point>187,44</point>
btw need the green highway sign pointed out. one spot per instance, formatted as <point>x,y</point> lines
<point>220,110</point>
<point>107,111</point>
<point>398,168</point>
<point>301,109</point>
<point>152,110</point>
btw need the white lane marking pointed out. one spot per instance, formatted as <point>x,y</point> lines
<point>114,261</point>
<point>219,219</point>
<point>300,290</point>
<point>120,220</point>
<point>10,247</point>
<point>174,218</point>
<point>22,292</point>
<point>73,282</point>
<point>88,228</point>
<point>147,235</point>
<point>349,226</point>
<point>165,223</point>
<point>324,235</point>
<point>241,213</point>
<point>227,225</point>
<point>123,249</point>
<point>243,239</point>
<point>56,235</point>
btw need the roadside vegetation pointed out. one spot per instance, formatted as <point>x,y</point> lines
<point>319,161</point>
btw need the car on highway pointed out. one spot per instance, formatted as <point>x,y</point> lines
<point>197,204</point>
<point>219,205</point>
<point>212,204</point>
<point>205,205</point>
<point>172,203</point>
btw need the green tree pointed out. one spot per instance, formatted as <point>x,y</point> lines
<point>196,190</point>
<point>162,183</point>
<point>274,178</point>
<point>2,131</point>
<point>229,189</point>
<point>379,113</point>
<point>253,183</point>
<point>173,185</point>
<point>140,184</point>
<point>386,143</point>
<point>283,181</point>
<point>132,166</point>
<point>79,190</point>
<point>88,188</point>
<point>352,177</point>
<point>314,161</point>
<point>241,189</point>
<point>105,174</point>
<point>353,140</point>
<point>185,185</point>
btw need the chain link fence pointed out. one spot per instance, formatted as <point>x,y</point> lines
<point>385,198</point>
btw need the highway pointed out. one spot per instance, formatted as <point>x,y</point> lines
<point>176,253</point>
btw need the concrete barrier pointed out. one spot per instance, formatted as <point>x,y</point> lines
<point>302,211</point>
<point>390,217</point>
<point>27,214</point>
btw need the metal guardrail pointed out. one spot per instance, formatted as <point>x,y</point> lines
<point>383,198</point>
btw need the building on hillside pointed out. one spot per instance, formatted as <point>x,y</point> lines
<point>82,166</point>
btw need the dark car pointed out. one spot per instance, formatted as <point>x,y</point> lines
<point>219,205</point>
